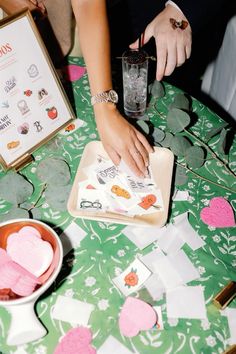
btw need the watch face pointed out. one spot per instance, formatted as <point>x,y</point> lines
<point>113,96</point>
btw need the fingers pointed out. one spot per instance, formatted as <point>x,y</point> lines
<point>146,35</point>
<point>144,142</point>
<point>114,156</point>
<point>136,156</point>
<point>161,59</point>
<point>171,53</point>
<point>135,161</point>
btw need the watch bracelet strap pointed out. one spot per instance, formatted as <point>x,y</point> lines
<point>100,97</point>
<point>104,97</point>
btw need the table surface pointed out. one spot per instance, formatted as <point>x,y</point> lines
<point>87,270</point>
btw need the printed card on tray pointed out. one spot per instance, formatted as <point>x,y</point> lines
<point>33,103</point>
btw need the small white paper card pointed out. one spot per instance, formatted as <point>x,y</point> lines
<point>71,237</point>
<point>168,274</point>
<point>155,287</point>
<point>186,302</point>
<point>150,258</point>
<point>183,266</point>
<point>169,240</point>
<point>71,310</point>
<point>231,315</point>
<point>187,233</point>
<point>112,345</point>
<point>140,236</point>
<point>180,196</point>
<point>159,324</point>
<point>20,350</point>
<point>92,200</point>
<point>132,278</point>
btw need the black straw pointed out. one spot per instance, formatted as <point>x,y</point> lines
<point>140,42</point>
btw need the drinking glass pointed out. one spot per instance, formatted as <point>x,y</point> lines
<point>135,73</point>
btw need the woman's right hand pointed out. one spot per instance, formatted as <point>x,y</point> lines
<point>121,140</point>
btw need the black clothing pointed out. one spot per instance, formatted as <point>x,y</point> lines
<point>129,18</point>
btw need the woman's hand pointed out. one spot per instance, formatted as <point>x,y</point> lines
<point>173,45</point>
<point>121,140</point>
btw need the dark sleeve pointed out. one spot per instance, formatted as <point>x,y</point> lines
<point>200,12</point>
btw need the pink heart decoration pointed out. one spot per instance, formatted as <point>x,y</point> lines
<point>218,214</point>
<point>4,258</point>
<point>76,341</point>
<point>16,278</point>
<point>73,72</point>
<point>27,248</point>
<point>136,315</point>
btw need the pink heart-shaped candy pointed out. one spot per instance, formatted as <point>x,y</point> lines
<point>29,250</point>
<point>4,258</point>
<point>136,315</point>
<point>76,340</point>
<point>218,214</point>
<point>18,279</point>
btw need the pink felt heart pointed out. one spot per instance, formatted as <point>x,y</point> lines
<point>74,72</point>
<point>30,251</point>
<point>77,340</point>
<point>136,315</point>
<point>218,214</point>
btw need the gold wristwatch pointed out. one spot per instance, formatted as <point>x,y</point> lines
<point>105,96</point>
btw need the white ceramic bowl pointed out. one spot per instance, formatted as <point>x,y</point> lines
<point>25,326</point>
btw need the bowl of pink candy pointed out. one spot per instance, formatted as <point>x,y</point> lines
<point>30,259</point>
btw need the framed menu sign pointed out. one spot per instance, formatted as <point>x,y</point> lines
<point>33,104</point>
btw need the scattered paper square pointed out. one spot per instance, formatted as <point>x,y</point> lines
<point>112,345</point>
<point>150,258</point>
<point>71,237</point>
<point>132,278</point>
<point>183,266</point>
<point>71,310</point>
<point>186,302</point>
<point>155,287</point>
<point>20,350</point>
<point>231,315</point>
<point>141,236</point>
<point>159,324</point>
<point>167,272</point>
<point>169,239</point>
<point>187,233</point>
<point>180,195</point>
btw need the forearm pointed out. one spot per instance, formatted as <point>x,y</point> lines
<point>93,28</point>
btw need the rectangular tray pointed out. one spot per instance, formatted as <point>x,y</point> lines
<point>161,162</point>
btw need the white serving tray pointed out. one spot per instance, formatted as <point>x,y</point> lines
<point>161,162</point>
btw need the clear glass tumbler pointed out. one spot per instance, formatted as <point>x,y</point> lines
<point>135,73</point>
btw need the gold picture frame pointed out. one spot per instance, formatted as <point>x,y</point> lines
<point>33,103</point>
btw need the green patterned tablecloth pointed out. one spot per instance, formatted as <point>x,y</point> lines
<point>87,270</point>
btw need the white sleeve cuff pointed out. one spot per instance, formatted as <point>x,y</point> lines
<point>172,3</point>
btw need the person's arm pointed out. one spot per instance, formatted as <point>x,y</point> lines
<point>119,138</point>
<point>173,45</point>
